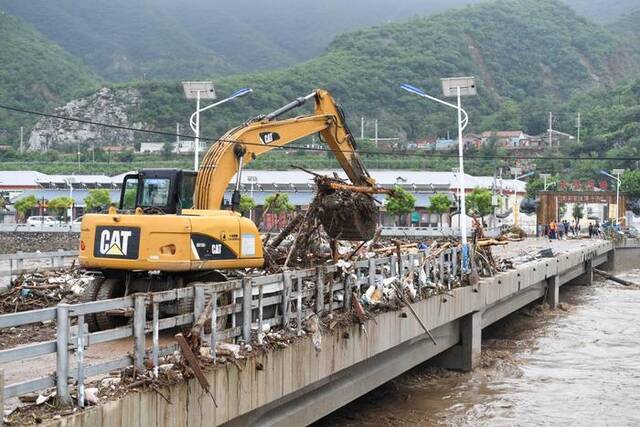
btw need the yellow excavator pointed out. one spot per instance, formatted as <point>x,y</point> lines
<point>170,229</point>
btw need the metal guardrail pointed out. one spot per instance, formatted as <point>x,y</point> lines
<point>420,231</point>
<point>276,300</point>
<point>16,261</point>
<point>40,228</point>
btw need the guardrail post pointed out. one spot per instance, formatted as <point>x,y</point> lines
<point>454,262</point>
<point>372,272</point>
<point>80,360</point>
<point>60,259</point>
<point>412,262</point>
<point>319,290</point>
<point>62,355</point>
<point>139,320</point>
<point>286,295</point>
<point>19,262</point>
<point>198,304</point>
<point>1,396</point>
<point>299,305</point>
<point>214,325</point>
<point>348,288</point>
<point>260,313</point>
<point>394,265</point>
<point>247,313</point>
<point>155,325</point>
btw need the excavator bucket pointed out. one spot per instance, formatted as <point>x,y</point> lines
<point>346,215</point>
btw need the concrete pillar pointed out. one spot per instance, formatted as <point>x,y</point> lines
<point>588,272</point>
<point>611,261</point>
<point>553,291</point>
<point>465,356</point>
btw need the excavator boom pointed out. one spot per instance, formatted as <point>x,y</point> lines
<point>243,144</point>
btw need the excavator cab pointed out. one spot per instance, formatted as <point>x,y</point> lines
<point>158,191</point>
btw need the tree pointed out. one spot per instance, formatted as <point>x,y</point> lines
<point>479,202</point>
<point>167,150</point>
<point>533,186</point>
<point>97,198</point>
<point>441,204</point>
<point>60,205</point>
<point>129,201</point>
<point>400,203</point>
<point>24,204</point>
<point>631,183</point>
<point>246,204</point>
<point>278,203</point>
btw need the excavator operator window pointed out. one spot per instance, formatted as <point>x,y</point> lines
<point>129,193</point>
<point>187,188</point>
<point>155,192</point>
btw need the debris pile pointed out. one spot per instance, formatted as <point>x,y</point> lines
<point>41,289</point>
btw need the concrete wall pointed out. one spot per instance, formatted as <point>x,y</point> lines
<point>626,256</point>
<point>298,385</point>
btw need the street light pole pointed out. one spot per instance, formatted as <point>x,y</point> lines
<point>463,203</point>
<point>457,87</point>
<point>196,147</point>
<point>617,173</point>
<point>198,91</point>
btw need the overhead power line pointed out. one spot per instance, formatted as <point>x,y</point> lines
<point>318,149</point>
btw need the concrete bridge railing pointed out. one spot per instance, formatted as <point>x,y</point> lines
<point>276,300</point>
<point>53,260</point>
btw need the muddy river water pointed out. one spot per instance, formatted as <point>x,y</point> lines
<point>577,365</point>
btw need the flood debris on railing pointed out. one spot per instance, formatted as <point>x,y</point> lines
<point>40,289</point>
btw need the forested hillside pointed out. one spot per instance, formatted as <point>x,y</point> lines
<point>528,56</point>
<point>35,74</point>
<point>124,40</point>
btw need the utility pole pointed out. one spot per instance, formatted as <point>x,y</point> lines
<point>375,138</point>
<point>21,139</point>
<point>579,127</point>
<point>177,136</point>
<point>550,128</point>
<point>362,127</point>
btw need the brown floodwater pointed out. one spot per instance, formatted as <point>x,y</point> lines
<point>578,365</point>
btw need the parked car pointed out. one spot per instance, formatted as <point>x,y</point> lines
<point>78,220</point>
<point>47,221</point>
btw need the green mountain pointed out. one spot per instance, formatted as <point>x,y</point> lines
<point>34,74</point>
<point>125,40</point>
<point>121,39</point>
<point>610,119</point>
<point>528,57</point>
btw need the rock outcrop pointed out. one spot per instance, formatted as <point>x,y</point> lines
<point>110,106</point>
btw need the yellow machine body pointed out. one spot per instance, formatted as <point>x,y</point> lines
<point>202,236</point>
<point>194,240</point>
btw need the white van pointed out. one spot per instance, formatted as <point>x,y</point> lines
<point>46,221</point>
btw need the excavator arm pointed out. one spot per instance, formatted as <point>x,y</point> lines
<point>243,144</point>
